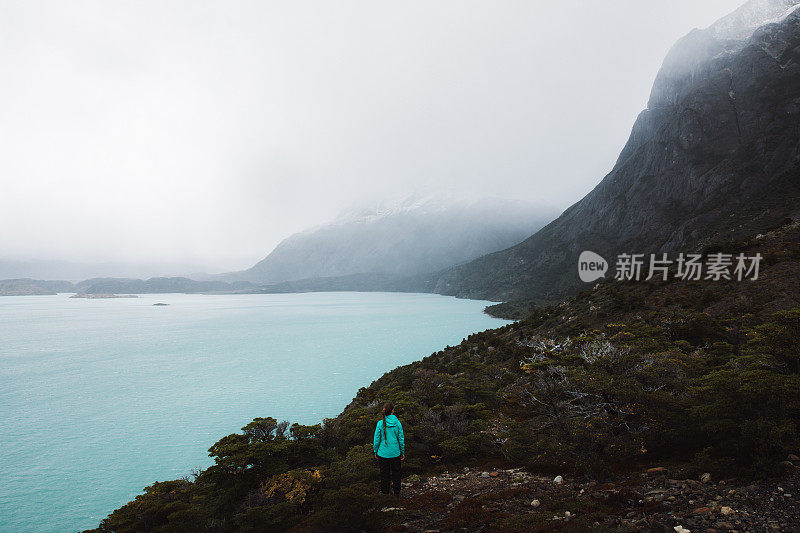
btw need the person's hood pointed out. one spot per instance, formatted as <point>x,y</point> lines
<point>391,420</point>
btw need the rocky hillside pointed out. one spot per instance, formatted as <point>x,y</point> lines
<point>648,500</point>
<point>414,236</point>
<point>630,391</point>
<point>715,155</point>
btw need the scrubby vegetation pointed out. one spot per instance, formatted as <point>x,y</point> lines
<point>705,374</point>
<point>515,310</point>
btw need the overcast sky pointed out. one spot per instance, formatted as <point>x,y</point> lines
<point>205,132</point>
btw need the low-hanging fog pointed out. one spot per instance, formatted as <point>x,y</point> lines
<point>197,135</point>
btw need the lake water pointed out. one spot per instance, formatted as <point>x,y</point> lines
<point>99,398</point>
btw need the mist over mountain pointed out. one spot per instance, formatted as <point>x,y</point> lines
<point>75,271</point>
<point>715,156</point>
<point>413,236</point>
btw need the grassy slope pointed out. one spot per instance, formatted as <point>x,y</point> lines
<point>701,374</point>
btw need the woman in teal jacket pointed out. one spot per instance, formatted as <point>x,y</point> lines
<point>389,447</point>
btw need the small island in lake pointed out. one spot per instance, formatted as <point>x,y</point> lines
<point>95,296</point>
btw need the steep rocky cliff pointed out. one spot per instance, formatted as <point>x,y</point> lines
<point>715,155</point>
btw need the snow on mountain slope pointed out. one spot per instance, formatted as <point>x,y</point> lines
<point>741,23</point>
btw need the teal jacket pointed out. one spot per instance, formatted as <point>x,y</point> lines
<point>394,444</point>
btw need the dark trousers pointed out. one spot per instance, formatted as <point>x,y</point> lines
<point>390,469</point>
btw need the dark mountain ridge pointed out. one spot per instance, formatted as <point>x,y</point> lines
<point>714,156</point>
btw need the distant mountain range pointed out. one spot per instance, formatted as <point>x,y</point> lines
<point>715,155</point>
<point>364,249</point>
<point>27,286</point>
<point>32,287</point>
<point>390,241</point>
<point>156,285</point>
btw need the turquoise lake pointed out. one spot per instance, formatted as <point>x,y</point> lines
<point>99,398</point>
